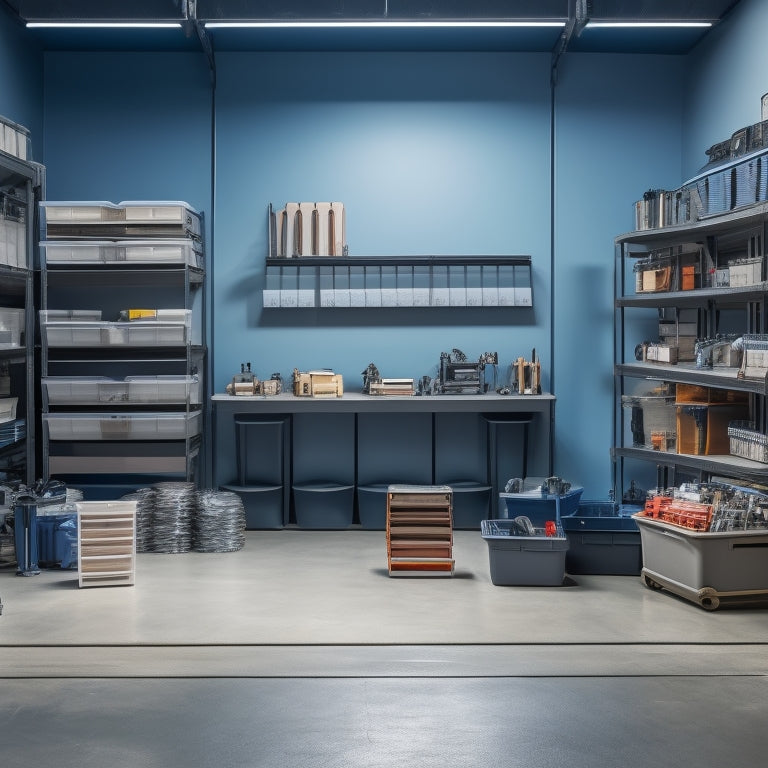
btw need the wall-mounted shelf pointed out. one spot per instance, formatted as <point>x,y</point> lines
<point>398,281</point>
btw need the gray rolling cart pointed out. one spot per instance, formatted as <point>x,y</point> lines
<point>704,567</point>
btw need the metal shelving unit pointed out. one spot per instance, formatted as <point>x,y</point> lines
<point>123,397</point>
<point>21,183</point>
<point>716,238</point>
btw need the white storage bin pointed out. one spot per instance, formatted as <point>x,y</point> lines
<point>162,217</point>
<point>14,138</point>
<point>11,327</point>
<point>163,212</point>
<point>71,333</point>
<point>172,251</point>
<point>13,239</point>
<point>164,389</point>
<point>82,212</point>
<point>84,390</point>
<point>122,426</point>
<point>137,333</point>
<point>745,272</point>
<point>168,252</point>
<point>8,409</point>
<point>95,390</point>
<point>55,315</point>
<point>155,334</point>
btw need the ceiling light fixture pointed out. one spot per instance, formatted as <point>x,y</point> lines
<point>648,24</point>
<point>375,24</point>
<point>103,25</point>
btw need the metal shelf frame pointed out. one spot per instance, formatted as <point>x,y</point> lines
<point>748,221</point>
<point>25,181</point>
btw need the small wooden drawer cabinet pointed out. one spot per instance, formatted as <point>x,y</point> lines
<point>420,530</point>
<point>106,539</point>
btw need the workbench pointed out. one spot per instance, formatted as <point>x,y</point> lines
<point>327,462</point>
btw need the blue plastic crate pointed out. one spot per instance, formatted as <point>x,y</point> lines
<point>539,507</point>
<point>603,539</point>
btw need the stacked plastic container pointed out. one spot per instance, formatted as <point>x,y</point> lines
<point>528,547</point>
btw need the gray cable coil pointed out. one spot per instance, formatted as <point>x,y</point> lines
<point>220,522</point>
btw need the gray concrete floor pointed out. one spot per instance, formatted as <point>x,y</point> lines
<point>299,650</point>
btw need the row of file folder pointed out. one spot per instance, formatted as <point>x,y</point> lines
<point>307,229</point>
<point>398,286</point>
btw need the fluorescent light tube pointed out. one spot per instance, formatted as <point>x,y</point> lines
<point>648,24</point>
<point>375,24</point>
<point>104,25</point>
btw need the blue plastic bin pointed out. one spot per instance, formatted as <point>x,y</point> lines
<point>57,540</point>
<point>539,507</point>
<point>603,540</point>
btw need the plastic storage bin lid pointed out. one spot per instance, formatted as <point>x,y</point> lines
<point>163,203</point>
<point>71,203</point>
<point>15,126</point>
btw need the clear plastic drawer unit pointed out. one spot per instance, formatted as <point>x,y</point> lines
<point>162,218</point>
<point>164,330</point>
<point>122,426</point>
<point>171,251</point>
<point>100,390</point>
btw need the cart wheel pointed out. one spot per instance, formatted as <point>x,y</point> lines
<point>709,600</point>
<point>650,583</point>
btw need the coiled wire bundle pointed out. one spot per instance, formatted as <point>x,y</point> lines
<point>220,522</point>
<point>145,513</point>
<point>175,510</point>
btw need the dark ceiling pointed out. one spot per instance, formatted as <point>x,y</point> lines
<point>574,19</point>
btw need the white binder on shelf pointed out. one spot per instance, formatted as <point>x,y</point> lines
<point>321,229</point>
<point>337,234</point>
<point>303,229</point>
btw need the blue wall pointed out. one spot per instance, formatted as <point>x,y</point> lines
<point>21,81</point>
<point>431,153</point>
<point>726,80</point>
<point>128,126</point>
<point>610,147</point>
